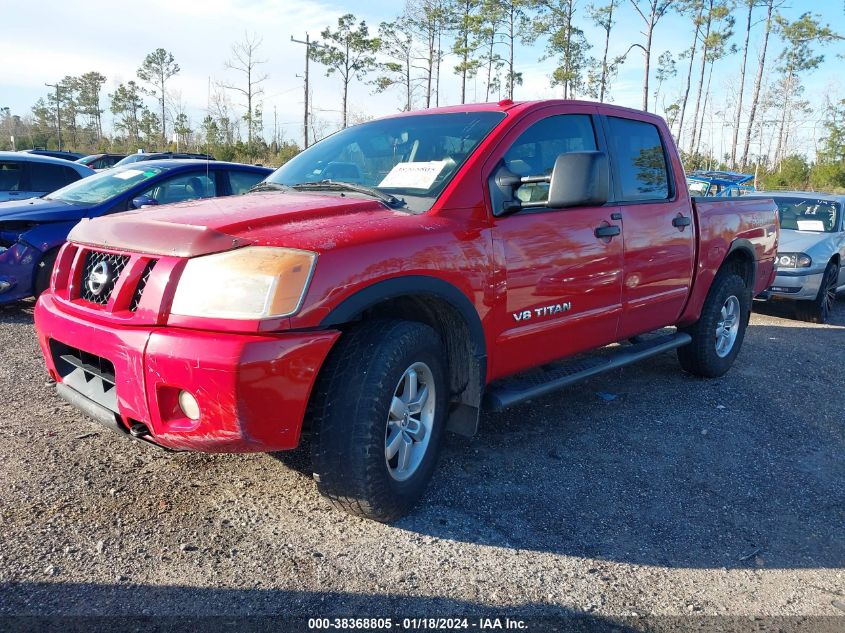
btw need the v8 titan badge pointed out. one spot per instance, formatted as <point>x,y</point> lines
<point>551,310</point>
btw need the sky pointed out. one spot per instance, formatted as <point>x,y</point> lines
<point>44,40</point>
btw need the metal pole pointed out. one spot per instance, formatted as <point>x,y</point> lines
<point>58,112</point>
<point>308,45</point>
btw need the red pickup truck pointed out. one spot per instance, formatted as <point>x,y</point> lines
<point>392,279</point>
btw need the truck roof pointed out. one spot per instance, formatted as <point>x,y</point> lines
<point>506,105</point>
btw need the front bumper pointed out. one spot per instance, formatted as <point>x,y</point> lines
<point>795,284</point>
<point>252,389</point>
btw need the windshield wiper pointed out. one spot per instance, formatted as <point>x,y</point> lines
<point>268,186</point>
<point>339,185</point>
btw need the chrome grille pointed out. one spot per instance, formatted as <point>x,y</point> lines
<point>115,263</point>
<point>142,283</point>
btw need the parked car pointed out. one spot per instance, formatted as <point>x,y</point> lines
<point>134,158</point>
<point>54,153</point>
<point>379,284</point>
<point>101,161</point>
<point>24,175</point>
<point>811,254</point>
<point>721,184</point>
<point>32,231</point>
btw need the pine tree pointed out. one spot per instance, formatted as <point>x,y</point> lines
<point>348,52</point>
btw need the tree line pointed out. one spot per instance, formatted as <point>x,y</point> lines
<point>754,95</point>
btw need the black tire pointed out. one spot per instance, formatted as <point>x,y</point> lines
<point>700,357</point>
<point>818,310</point>
<point>44,272</point>
<point>349,417</point>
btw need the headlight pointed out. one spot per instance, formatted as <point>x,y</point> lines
<point>793,260</point>
<point>256,282</point>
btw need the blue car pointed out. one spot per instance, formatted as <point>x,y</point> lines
<point>31,231</point>
<point>721,184</point>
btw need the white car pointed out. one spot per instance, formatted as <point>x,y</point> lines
<point>811,251</point>
<point>24,175</point>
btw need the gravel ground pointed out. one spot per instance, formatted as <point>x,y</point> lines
<point>641,492</point>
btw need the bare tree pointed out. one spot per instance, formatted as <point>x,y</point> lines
<point>651,12</point>
<point>245,61</point>
<point>758,82</point>
<point>797,57</point>
<point>694,9</point>
<point>714,10</point>
<point>602,16</point>
<point>428,19</point>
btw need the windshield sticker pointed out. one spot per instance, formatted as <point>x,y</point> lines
<point>810,225</point>
<point>129,173</point>
<point>413,175</point>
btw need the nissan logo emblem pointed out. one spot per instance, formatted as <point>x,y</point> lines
<point>98,278</point>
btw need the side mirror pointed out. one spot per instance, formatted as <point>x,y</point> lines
<point>578,179</point>
<point>143,201</point>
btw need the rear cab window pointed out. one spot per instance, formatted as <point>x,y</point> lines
<point>639,158</point>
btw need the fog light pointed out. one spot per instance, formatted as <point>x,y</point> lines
<point>4,286</point>
<point>189,405</point>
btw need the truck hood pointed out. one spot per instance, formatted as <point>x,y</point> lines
<point>40,210</point>
<point>219,224</point>
<point>792,241</point>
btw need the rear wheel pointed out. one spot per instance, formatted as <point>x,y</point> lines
<point>378,414</point>
<point>44,272</point>
<point>718,334</point>
<point>819,310</point>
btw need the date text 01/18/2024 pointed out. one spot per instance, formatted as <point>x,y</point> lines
<point>418,624</point>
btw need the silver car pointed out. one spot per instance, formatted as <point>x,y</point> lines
<point>810,253</point>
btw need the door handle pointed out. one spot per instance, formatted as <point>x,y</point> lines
<point>607,230</point>
<point>681,221</point>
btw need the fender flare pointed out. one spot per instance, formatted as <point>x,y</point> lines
<point>745,246</point>
<point>369,296</point>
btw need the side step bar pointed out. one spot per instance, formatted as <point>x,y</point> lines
<point>511,391</point>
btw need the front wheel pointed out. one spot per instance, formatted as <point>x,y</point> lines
<point>718,334</point>
<point>378,414</point>
<point>819,310</point>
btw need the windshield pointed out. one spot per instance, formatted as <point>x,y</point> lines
<point>697,187</point>
<point>104,185</point>
<point>413,157</point>
<point>808,214</point>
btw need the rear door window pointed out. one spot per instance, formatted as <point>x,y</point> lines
<point>190,186</point>
<point>640,160</point>
<point>243,181</point>
<point>47,177</point>
<point>11,176</point>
